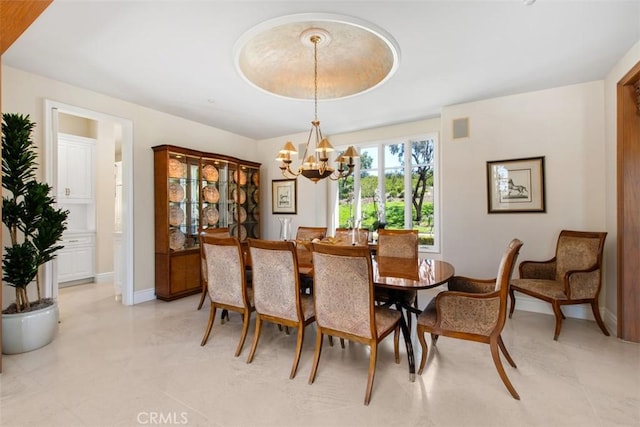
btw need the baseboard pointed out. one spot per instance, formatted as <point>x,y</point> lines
<point>144,295</point>
<point>104,277</point>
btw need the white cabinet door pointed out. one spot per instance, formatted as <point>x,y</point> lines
<point>76,259</point>
<point>75,168</point>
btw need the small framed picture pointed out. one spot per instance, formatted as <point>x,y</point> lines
<point>284,196</point>
<point>516,185</point>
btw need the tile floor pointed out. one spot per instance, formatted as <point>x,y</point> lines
<point>113,365</point>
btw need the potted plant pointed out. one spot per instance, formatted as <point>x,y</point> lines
<point>35,228</point>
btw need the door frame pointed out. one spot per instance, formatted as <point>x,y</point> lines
<point>51,108</point>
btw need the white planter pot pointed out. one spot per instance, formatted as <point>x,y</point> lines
<point>24,332</point>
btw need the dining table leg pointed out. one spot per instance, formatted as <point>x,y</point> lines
<point>406,334</point>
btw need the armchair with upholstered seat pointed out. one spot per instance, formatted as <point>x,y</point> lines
<point>572,276</point>
<point>345,236</point>
<point>474,310</point>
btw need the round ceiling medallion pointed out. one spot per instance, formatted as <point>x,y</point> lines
<point>353,56</point>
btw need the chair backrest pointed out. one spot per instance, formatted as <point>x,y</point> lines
<point>213,232</point>
<point>226,281</point>
<point>276,287</point>
<point>343,289</point>
<point>344,236</point>
<point>307,234</point>
<point>398,243</point>
<point>578,250</point>
<point>310,233</point>
<point>503,278</point>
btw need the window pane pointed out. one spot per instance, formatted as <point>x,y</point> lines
<point>346,203</point>
<point>368,187</point>
<point>394,186</point>
<point>422,190</point>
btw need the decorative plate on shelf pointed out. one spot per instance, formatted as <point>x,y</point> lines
<point>211,194</point>
<point>240,231</point>
<point>177,169</point>
<point>255,178</point>
<point>176,192</point>
<point>256,196</point>
<point>256,230</point>
<point>255,213</point>
<point>240,214</point>
<point>211,215</point>
<point>239,195</point>
<point>210,173</point>
<point>176,215</point>
<point>240,177</point>
<point>176,239</point>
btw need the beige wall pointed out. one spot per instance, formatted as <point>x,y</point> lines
<point>25,93</point>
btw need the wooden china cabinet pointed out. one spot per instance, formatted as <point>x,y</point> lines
<point>195,191</point>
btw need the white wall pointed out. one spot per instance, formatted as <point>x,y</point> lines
<point>25,93</point>
<point>566,126</point>
<point>623,66</point>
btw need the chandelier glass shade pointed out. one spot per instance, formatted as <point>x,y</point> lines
<point>315,160</point>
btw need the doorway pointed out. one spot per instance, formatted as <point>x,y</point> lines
<point>124,256</point>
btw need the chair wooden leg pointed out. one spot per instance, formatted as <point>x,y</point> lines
<point>330,340</point>
<point>256,338</point>
<point>212,318</point>
<point>225,314</point>
<point>493,344</point>
<point>434,339</point>
<point>596,314</point>
<point>245,328</point>
<point>316,357</point>
<point>396,343</point>
<point>425,349</point>
<point>296,358</point>
<point>342,342</point>
<point>505,352</point>
<point>202,297</point>
<point>373,356</point>
<point>512,296</point>
<point>558,313</point>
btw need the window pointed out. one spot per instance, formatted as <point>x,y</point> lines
<point>394,185</point>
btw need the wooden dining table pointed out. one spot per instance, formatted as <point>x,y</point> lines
<point>397,276</point>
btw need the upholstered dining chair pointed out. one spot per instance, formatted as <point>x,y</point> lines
<point>226,282</point>
<point>344,236</point>
<point>304,237</point>
<point>344,303</point>
<point>474,310</point>
<point>213,232</point>
<point>398,244</point>
<point>572,276</point>
<point>276,292</point>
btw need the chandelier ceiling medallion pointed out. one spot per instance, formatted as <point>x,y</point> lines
<point>356,57</point>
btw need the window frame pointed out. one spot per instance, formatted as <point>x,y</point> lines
<point>380,169</point>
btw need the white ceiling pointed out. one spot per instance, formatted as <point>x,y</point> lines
<point>177,56</point>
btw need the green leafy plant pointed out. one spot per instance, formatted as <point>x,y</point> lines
<point>35,225</point>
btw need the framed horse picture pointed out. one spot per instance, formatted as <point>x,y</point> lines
<point>516,185</point>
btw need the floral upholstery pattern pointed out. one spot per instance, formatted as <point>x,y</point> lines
<point>572,276</point>
<point>224,275</point>
<point>404,245</point>
<point>342,293</point>
<point>465,314</point>
<point>274,283</point>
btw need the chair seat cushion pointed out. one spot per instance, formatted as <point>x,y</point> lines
<point>428,315</point>
<point>308,310</point>
<point>548,288</point>
<point>386,319</point>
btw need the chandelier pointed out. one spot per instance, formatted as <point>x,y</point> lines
<point>315,165</point>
